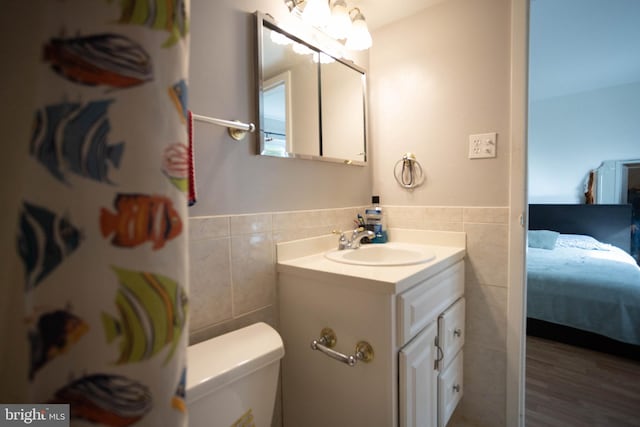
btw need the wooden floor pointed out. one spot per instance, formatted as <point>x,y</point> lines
<point>573,387</point>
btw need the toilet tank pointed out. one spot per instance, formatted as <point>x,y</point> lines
<point>232,379</point>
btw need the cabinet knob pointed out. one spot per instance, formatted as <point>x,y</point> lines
<point>456,388</point>
<point>457,332</point>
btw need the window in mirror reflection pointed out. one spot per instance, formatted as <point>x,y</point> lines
<point>276,120</point>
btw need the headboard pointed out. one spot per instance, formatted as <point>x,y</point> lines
<point>607,223</point>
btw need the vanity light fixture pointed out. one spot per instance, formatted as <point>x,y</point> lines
<point>334,18</point>
<point>301,49</point>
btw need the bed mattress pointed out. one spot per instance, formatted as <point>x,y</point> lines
<point>585,284</point>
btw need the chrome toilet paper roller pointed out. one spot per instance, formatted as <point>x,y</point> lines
<point>408,171</point>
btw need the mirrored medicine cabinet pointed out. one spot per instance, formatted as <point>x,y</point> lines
<point>311,104</point>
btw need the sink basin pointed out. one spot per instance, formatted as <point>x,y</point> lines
<point>387,254</point>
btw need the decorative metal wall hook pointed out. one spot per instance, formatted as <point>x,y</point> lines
<point>408,171</point>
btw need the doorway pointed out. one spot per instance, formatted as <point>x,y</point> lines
<point>581,106</point>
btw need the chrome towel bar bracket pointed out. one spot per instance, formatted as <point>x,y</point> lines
<point>328,339</point>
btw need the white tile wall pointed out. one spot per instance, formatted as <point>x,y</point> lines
<point>252,272</point>
<point>210,284</point>
<point>232,259</point>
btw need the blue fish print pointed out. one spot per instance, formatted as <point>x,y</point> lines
<point>44,241</point>
<point>73,137</point>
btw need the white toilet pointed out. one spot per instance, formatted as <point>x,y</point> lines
<point>232,379</point>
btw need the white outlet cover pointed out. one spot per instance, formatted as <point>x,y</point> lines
<point>483,145</point>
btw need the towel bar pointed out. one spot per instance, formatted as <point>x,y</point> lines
<point>237,130</point>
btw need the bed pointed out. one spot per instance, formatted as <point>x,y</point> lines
<point>583,287</point>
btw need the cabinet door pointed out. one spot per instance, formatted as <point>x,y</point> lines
<point>422,304</point>
<point>418,380</point>
<point>450,389</point>
<point>451,332</point>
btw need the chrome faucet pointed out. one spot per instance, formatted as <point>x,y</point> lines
<point>356,238</point>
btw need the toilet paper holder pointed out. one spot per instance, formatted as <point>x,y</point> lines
<point>328,340</point>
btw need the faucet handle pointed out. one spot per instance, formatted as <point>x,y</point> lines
<point>342,242</point>
<point>356,232</point>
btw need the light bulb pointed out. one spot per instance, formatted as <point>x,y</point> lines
<point>359,38</point>
<point>340,23</point>
<point>316,13</point>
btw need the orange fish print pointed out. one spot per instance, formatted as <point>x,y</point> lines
<point>140,218</point>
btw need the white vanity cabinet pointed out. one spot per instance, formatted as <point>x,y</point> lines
<point>431,335</point>
<point>418,380</point>
<point>413,318</point>
<point>451,332</point>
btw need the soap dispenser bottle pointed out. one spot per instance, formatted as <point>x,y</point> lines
<point>375,221</point>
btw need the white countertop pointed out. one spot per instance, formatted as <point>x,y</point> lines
<point>306,258</point>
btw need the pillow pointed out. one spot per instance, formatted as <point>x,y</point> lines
<point>580,241</point>
<point>542,239</point>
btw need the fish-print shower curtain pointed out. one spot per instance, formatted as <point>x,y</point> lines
<point>102,224</point>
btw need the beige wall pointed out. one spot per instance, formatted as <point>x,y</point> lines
<point>230,178</point>
<point>437,77</point>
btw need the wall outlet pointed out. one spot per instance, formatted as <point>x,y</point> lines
<point>482,145</point>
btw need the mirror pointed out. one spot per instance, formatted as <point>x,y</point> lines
<point>617,181</point>
<point>310,104</point>
<point>342,101</point>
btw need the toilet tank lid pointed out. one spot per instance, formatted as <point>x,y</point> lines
<point>216,362</point>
